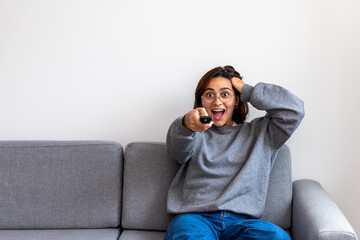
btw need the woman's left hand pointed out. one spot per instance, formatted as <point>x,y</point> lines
<point>237,83</point>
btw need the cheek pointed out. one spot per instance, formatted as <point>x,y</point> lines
<point>207,108</point>
<point>230,106</point>
<point>230,109</point>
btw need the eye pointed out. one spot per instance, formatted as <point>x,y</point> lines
<point>209,95</point>
<point>225,94</point>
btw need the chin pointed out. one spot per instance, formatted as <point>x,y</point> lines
<point>219,124</point>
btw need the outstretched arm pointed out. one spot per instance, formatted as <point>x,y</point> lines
<point>181,136</point>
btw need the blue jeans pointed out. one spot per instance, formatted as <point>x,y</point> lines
<point>222,225</point>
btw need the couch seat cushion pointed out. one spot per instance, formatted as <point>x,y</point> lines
<point>73,234</point>
<point>141,235</point>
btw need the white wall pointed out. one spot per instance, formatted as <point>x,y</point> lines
<point>123,70</point>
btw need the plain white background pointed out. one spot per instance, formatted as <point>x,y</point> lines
<point>124,70</point>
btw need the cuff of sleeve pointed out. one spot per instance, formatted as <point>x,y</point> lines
<point>182,129</point>
<point>246,93</point>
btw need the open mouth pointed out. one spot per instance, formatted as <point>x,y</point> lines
<point>218,113</point>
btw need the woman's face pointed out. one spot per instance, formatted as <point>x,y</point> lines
<point>221,111</point>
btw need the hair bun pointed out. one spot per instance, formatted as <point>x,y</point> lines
<point>229,68</point>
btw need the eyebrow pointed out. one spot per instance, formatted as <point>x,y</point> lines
<point>211,89</point>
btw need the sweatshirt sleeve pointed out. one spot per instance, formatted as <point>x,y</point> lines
<point>284,110</point>
<point>180,142</point>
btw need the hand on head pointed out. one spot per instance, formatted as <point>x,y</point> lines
<point>237,83</point>
<point>192,120</point>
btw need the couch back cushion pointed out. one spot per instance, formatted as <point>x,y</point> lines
<point>53,184</point>
<point>278,208</point>
<point>148,172</point>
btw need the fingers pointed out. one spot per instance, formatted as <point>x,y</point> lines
<point>202,112</point>
<point>192,120</point>
<point>237,83</point>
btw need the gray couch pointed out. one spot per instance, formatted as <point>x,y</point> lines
<point>97,190</point>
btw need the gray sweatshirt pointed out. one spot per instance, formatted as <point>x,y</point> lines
<point>227,168</point>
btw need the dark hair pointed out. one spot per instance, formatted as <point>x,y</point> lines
<point>228,72</point>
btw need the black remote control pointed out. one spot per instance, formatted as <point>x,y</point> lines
<point>205,119</point>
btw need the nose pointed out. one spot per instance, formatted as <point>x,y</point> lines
<point>217,101</point>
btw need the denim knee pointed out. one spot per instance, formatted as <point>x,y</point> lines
<point>189,226</point>
<point>255,230</point>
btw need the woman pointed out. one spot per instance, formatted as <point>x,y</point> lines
<point>219,191</point>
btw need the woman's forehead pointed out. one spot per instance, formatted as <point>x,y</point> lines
<point>219,84</point>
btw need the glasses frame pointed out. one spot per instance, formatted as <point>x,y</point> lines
<point>217,96</point>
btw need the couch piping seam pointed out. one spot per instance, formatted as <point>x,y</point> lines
<point>345,232</point>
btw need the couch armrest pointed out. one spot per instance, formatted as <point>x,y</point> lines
<point>316,216</point>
